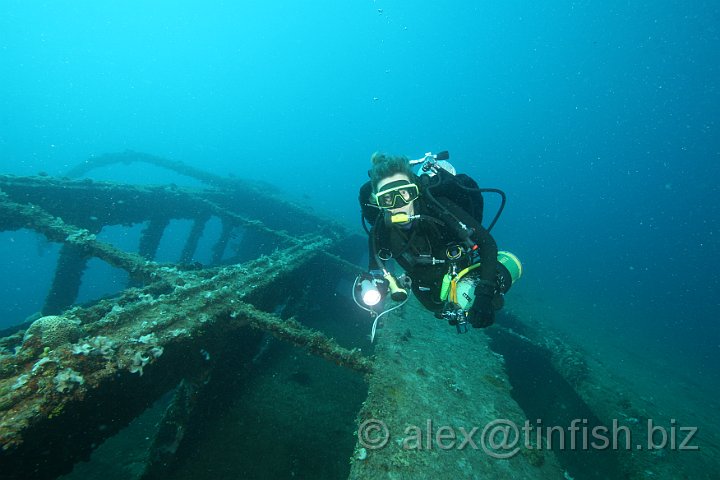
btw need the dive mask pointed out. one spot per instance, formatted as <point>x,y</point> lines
<point>397,194</point>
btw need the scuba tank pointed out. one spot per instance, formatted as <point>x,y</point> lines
<point>460,289</point>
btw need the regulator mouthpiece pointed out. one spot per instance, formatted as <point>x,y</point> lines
<point>402,218</point>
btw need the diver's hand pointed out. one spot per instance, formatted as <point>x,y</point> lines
<point>482,312</point>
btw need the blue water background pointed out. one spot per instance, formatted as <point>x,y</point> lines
<point>599,120</point>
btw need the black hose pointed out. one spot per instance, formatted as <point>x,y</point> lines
<point>362,220</point>
<point>503,199</point>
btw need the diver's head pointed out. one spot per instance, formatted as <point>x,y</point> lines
<point>394,189</point>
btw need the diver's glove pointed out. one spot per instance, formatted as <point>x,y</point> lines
<point>482,312</point>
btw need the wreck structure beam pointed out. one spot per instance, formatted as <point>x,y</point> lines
<point>135,348</point>
<point>218,250</point>
<point>79,374</point>
<point>128,157</point>
<point>56,230</point>
<point>191,243</point>
<point>46,205</point>
<point>151,236</point>
<point>67,279</point>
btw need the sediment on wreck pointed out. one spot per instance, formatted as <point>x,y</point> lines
<point>430,399</point>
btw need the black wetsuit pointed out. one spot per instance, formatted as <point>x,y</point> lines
<point>421,247</point>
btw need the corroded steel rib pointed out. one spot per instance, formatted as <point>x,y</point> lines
<point>56,230</point>
<point>292,331</point>
<point>128,157</point>
<point>133,349</point>
<point>229,193</point>
<point>92,204</point>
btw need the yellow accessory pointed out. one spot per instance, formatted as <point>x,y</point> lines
<point>400,218</point>
<point>452,295</point>
<point>448,291</point>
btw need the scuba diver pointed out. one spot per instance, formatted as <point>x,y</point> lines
<point>430,223</point>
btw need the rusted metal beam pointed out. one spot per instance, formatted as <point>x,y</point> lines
<point>133,349</point>
<point>91,205</point>
<point>128,157</point>
<point>56,230</point>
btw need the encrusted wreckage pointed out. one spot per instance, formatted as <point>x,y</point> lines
<point>78,374</point>
<point>106,362</point>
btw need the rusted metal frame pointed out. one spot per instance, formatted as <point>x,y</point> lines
<point>314,341</point>
<point>218,249</point>
<point>344,264</point>
<point>200,199</point>
<point>225,184</point>
<point>151,236</point>
<point>240,220</point>
<point>193,239</point>
<point>56,230</point>
<point>128,157</point>
<point>200,309</point>
<point>71,264</point>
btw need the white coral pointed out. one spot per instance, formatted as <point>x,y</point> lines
<point>67,380</point>
<point>138,363</point>
<point>150,338</point>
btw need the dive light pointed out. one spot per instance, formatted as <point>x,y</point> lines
<point>369,293</point>
<point>396,293</point>
<point>370,288</point>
